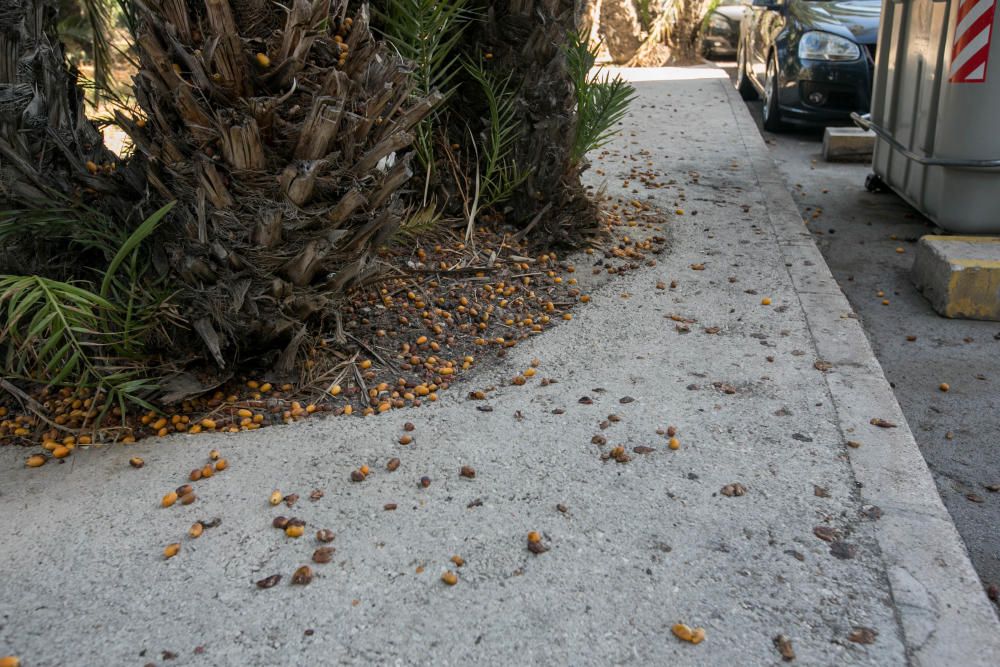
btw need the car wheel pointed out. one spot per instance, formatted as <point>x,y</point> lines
<point>771,112</point>
<point>743,83</point>
<point>874,183</point>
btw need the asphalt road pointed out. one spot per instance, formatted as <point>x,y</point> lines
<point>859,234</point>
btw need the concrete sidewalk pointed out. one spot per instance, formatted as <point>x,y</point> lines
<point>829,545</point>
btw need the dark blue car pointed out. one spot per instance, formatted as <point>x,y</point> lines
<point>811,61</point>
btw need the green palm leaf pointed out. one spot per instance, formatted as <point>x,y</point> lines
<point>601,103</point>
<point>500,175</point>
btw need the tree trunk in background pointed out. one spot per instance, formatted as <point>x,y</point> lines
<point>654,50</point>
<point>588,19</point>
<point>621,29</point>
<point>527,37</point>
<point>672,35</point>
<point>46,140</point>
<point>683,32</point>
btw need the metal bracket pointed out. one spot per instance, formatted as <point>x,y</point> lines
<point>865,122</point>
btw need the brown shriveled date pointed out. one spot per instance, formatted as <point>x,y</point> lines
<point>269,582</point>
<point>862,635</point>
<point>325,535</point>
<point>784,646</point>
<point>302,576</point>
<point>537,547</point>
<point>323,555</point>
<point>825,533</point>
<point>734,489</point>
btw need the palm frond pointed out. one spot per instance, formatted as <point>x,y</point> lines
<point>66,333</point>
<point>427,33</point>
<point>132,243</point>
<point>56,333</point>
<point>130,18</point>
<point>81,227</point>
<point>423,221</point>
<point>53,331</point>
<point>499,175</point>
<point>606,106</point>
<point>109,94</point>
<point>91,28</point>
<point>601,103</point>
<point>647,10</point>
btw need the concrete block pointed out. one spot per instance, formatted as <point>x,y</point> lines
<point>848,144</point>
<point>960,275</point>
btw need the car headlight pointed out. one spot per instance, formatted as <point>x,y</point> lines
<point>824,46</point>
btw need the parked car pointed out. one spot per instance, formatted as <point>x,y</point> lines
<point>721,33</point>
<point>811,61</point>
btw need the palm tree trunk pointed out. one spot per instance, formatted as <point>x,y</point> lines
<point>49,151</point>
<point>45,138</point>
<point>527,37</point>
<point>621,29</point>
<point>285,135</point>
<point>588,20</point>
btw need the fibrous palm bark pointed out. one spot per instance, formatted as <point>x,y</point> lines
<point>527,38</point>
<point>46,141</point>
<point>621,29</point>
<point>682,30</point>
<point>588,20</point>
<point>284,134</point>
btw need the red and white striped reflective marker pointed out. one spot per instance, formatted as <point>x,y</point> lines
<point>971,50</point>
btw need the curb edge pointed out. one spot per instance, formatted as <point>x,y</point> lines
<point>944,615</point>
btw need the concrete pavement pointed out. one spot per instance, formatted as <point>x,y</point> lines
<point>846,551</point>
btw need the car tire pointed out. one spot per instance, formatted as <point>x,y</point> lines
<point>771,111</point>
<point>743,83</point>
<point>875,184</point>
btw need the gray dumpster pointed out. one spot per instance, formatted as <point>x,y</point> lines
<point>936,110</point>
